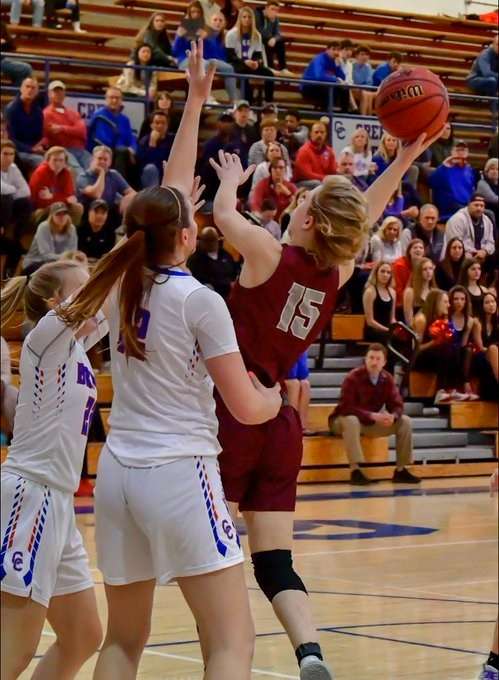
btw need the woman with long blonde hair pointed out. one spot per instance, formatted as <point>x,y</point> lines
<point>421,282</point>
<point>245,51</point>
<point>49,577</point>
<point>385,243</point>
<point>360,147</point>
<point>379,303</point>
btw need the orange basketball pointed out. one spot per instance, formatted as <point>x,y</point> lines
<point>412,101</point>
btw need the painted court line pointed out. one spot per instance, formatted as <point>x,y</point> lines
<point>412,546</point>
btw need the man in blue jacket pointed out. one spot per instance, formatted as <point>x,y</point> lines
<point>325,67</point>
<point>110,127</point>
<point>24,117</point>
<point>453,182</point>
<point>390,66</point>
<point>483,75</point>
<point>153,149</point>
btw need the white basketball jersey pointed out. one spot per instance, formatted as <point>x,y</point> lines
<point>55,406</point>
<point>163,407</point>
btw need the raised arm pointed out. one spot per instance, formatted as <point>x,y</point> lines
<point>380,192</point>
<point>259,248</point>
<point>179,170</point>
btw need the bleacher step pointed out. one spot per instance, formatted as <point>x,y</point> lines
<point>327,379</point>
<point>450,453</point>
<point>331,349</point>
<point>435,439</point>
<point>422,423</point>
<point>325,393</point>
<point>337,363</point>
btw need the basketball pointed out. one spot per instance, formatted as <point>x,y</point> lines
<point>412,101</point>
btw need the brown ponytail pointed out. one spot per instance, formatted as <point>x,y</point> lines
<point>153,220</point>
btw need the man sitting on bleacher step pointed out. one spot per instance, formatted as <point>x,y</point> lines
<point>371,405</point>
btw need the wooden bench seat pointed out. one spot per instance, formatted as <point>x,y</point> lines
<point>478,415</point>
<point>97,37</point>
<point>347,327</point>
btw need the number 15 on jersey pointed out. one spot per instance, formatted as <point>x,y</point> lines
<point>300,311</point>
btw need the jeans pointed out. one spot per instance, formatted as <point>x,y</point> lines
<point>16,70</point>
<point>16,8</point>
<point>222,67</point>
<point>149,176</point>
<point>33,160</point>
<point>485,86</point>
<point>78,160</point>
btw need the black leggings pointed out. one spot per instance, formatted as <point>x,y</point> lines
<point>247,88</point>
<point>52,5</point>
<point>451,364</point>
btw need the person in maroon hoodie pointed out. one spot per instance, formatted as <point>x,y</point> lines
<point>315,159</point>
<point>370,405</point>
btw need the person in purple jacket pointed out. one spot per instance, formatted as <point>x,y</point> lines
<point>370,405</point>
<point>326,68</point>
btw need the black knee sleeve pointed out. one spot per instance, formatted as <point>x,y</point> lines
<point>274,572</point>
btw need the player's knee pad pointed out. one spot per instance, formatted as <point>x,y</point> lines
<point>274,572</point>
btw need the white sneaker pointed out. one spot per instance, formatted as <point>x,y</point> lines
<point>442,397</point>
<point>459,396</point>
<point>211,101</point>
<point>312,668</point>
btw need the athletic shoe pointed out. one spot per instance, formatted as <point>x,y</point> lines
<point>358,478</point>
<point>405,477</point>
<point>312,668</point>
<point>488,673</point>
<point>442,397</point>
<point>288,73</point>
<point>211,101</point>
<point>459,396</point>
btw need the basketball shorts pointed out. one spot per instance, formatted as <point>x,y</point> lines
<point>42,553</point>
<point>300,370</point>
<point>260,463</point>
<point>162,522</point>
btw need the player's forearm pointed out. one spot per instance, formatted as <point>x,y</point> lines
<point>380,192</point>
<point>225,208</point>
<point>179,170</point>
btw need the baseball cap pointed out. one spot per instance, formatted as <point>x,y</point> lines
<point>460,142</point>
<point>55,84</point>
<point>243,104</point>
<point>58,207</point>
<point>99,203</point>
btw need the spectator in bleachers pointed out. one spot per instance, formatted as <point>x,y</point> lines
<point>419,285</point>
<point>216,52</point>
<point>267,23</point>
<point>345,166</point>
<point>53,237</point>
<point>469,277</point>
<point>16,205</point>
<point>211,264</point>
<point>489,331</point>
<point>395,205</point>
<point>52,182</point>
<point>474,227</point>
<point>346,63</point>
<point>370,405</point>
<point>464,329</point>
<point>16,7</point>
<point>136,81</point>
<point>268,214</point>
<point>162,102</point>
<point>488,186</point>
<point>262,170</point>
<point>95,236</point>
<point>24,118</point>
<point>192,25</point>
<point>437,353</point>
<point>210,8</point>
<point>258,150</point>
<point>65,127</point>
<point>404,266</point>
<point>378,302</point>
<point>385,244</point>
<point>245,52</point>
<point>449,268</point>
<point>360,147</point>
<point>362,74</point>
<point>484,73</point>
<point>386,153</point>
<point>427,230</point>
<point>315,159</point>
<point>230,10</point>
<point>442,148</point>
<point>275,187</point>
<point>155,34</point>
<point>51,7</point>
<point>153,150</point>
<point>388,67</point>
<point>293,134</point>
<point>110,127</point>
<point>14,69</point>
<point>224,139</point>
<point>453,182</point>
<point>326,67</point>
<point>100,181</point>
<point>245,133</point>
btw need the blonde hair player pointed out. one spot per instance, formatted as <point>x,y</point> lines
<point>44,571</point>
<point>284,298</point>
<point>160,509</point>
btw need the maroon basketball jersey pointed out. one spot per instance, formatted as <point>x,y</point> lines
<point>277,321</point>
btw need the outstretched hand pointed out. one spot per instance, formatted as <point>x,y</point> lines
<point>229,168</point>
<point>196,193</point>
<point>200,79</point>
<point>413,150</point>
